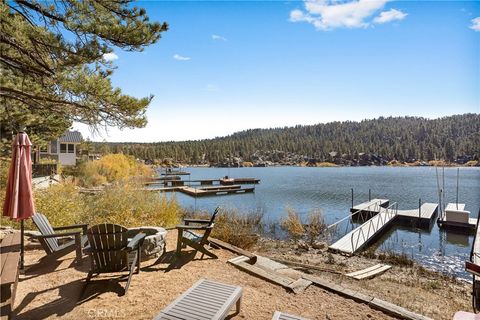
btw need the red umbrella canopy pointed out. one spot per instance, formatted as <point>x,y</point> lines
<point>19,197</point>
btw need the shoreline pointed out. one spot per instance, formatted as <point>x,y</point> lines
<point>321,166</point>
<point>407,284</point>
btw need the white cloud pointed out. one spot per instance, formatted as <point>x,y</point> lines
<point>331,14</point>
<point>111,56</point>
<point>390,15</point>
<point>176,56</point>
<point>218,37</point>
<point>475,24</point>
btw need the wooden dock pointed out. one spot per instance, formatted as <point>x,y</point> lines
<point>204,191</point>
<point>229,181</point>
<point>177,173</point>
<point>356,239</point>
<point>176,181</point>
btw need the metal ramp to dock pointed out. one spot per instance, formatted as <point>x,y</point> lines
<point>379,214</point>
<point>359,237</point>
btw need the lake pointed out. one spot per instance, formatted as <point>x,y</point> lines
<point>329,190</point>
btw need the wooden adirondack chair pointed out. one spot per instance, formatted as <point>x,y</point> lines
<point>198,241</point>
<point>111,251</point>
<point>49,238</point>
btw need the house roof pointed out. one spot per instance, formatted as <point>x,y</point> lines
<point>71,136</point>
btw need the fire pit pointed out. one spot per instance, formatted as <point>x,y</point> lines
<point>154,243</point>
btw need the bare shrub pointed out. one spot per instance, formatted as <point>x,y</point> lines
<point>292,224</point>
<point>316,226</point>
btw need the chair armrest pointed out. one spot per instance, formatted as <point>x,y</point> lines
<point>58,235</point>
<point>197,220</point>
<point>136,242</point>
<point>180,226</point>
<point>83,226</point>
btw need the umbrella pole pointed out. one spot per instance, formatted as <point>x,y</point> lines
<point>22,249</point>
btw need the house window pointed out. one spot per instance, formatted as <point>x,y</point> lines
<point>53,147</point>
<point>67,148</point>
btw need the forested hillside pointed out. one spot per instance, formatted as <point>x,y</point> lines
<point>399,138</point>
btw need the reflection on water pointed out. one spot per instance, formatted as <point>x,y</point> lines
<point>329,190</point>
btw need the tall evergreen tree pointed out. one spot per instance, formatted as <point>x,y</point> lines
<point>54,66</point>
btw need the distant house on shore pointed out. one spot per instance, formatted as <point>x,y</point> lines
<point>63,149</point>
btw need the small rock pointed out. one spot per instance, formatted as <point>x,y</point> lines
<point>318,245</point>
<point>303,245</point>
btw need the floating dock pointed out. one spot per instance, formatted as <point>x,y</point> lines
<point>176,181</point>
<point>229,181</point>
<point>370,206</point>
<point>177,173</point>
<point>205,191</point>
<point>382,215</point>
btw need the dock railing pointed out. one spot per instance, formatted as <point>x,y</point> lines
<point>362,211</point>
<point>374,225</point>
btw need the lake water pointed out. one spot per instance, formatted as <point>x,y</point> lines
<point>329,190</point>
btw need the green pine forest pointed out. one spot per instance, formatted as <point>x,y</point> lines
<point>392,138</point>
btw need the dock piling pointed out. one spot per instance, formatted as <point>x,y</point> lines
<point>369,195</point>
<point>352,198</point>
<point>419,208</point>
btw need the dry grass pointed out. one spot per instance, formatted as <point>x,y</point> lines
<point>473,163</point>
<point>240,229</point>
<point>121,203</point>
<point>292,224</point>
<point>129,205</point>
<point>325,164</point>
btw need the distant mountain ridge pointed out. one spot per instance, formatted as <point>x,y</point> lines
<point>392,138</point>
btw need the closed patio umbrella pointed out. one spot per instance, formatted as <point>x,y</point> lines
<point>19,197</point>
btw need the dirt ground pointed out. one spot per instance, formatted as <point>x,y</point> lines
<point>59,291</point>
<point>412,287</point>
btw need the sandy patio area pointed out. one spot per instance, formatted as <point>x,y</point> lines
<point>59,290</point>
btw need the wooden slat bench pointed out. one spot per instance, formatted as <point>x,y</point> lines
<point>369,272</point>
<point>205,300</point>
<point>285,316</point>
<point>10,264</point>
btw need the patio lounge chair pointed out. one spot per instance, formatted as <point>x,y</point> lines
<point>111,251</point>
<point>48,238</point>
<point>285,316</point>
<point>187,234</point>
<point>205,300</point>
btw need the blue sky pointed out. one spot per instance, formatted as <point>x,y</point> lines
<point>228,66</point>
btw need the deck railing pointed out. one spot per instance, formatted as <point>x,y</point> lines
<point>373,225</point>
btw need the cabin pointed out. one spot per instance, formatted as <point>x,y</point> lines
<point>63,150</point>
